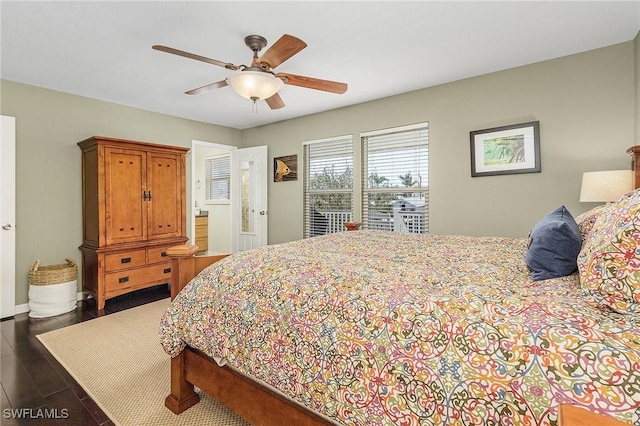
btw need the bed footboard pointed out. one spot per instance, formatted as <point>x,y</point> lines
<point>185,266</point>
<point>183,394</point>
<point>247,398</point>
<point>190,368</point>
<point>570,415</point>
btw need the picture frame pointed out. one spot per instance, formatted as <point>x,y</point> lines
<point>285,168</point>
<point>506,150</point>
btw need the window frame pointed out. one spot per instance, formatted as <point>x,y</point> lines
<point>335,221</point>
<point>397,221</point>
<point>208,179</point>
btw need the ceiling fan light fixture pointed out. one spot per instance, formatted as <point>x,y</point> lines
<point>255,84</point>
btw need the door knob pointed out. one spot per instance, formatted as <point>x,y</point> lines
<point>6,226</point>
<point>262,213</point>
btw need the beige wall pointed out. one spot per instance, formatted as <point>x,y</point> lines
<point>48,171</point>
<point>585,105</point>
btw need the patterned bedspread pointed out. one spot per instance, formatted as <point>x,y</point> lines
<point>381,328</point>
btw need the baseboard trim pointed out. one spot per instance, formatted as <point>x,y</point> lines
<point>21,309</point>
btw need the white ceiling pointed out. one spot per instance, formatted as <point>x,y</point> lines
<point>103,50</point>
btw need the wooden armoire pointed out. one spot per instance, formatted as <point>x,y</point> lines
<point>133,210</point>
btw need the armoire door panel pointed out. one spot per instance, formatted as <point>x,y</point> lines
<point>125,182</point>
<point>165,205</point>
<point>90,198</point>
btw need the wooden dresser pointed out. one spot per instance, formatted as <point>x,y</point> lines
<point>202,232</point>
<point>133,210</point>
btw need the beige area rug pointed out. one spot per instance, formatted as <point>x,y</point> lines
<point>118,361</point>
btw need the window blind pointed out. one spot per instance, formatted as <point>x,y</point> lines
<point>217,178</point>
<point>328,185</point>
<point>396,179</point>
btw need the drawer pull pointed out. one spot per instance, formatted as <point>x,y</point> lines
<point>164,254</point>
<point>123,280</point>
<point>125,260</point>
<point>167,270</point>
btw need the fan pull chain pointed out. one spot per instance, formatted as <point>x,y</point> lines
<point>254,105</point>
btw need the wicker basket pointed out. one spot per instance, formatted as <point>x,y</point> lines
<point>53,274</point>
<point>52,289</point>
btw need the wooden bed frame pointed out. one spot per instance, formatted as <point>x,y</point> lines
<point>634,152</point>
<point>252,401</point>
<point>260,405</point>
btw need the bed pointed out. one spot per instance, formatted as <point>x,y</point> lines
<point>372,327</point>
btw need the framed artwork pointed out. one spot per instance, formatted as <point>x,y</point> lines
<point>506,150</point>
<point>285,168</point>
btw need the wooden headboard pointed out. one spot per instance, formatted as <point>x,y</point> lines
<point>634,152</point>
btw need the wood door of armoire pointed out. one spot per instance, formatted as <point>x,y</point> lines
<point>164,196</point>
<point>125,199</point>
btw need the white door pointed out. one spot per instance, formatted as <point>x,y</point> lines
<point>249,198</point>
<point>7,216</point>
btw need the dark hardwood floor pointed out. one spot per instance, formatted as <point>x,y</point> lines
<point>34,384</point>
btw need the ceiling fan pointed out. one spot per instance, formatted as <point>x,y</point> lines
<point>258,81</point>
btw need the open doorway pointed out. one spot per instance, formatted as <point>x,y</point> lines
<point>210,211</point>
<point>228,206</point>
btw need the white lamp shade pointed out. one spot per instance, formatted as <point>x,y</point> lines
<point>255,84</point>
<point>605,186</point>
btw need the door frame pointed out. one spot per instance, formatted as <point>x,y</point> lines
<point>8,217</point>
<point>235,177</point>
<point>195,144</point>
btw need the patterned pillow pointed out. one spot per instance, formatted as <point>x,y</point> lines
<point>609,263</point>
<point>586,220</point>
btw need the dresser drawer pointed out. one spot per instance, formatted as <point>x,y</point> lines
<point>125,260</point>
<point>202,232</point>
<point>138,277</point>
<point>157,255</point>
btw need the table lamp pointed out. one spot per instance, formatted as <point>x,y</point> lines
<point>605,186</point>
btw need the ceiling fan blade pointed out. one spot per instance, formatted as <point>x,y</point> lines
<point>275,102</point>
<point>173,51</point>
<point>283,49</point>
<point>313,83</point>
<point>207,88</point>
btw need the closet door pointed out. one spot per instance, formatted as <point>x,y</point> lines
<point>125,203</point>
<point>165,189</point>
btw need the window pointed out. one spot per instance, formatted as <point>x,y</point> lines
<point>328,185</point>
<point>395,179</point>
<point>217,177</point>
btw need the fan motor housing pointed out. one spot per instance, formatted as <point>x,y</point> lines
<point>255,42</point>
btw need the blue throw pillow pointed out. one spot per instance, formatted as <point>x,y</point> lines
<point>554,245</point>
